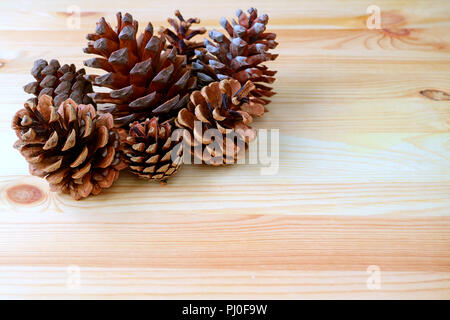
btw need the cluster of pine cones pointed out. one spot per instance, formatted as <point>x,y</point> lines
<point>80,139</point>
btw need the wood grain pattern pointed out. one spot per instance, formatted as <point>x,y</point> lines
<point>364,176</point>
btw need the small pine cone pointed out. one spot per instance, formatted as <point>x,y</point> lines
<point>150,151</point>
<point>59,82</point>
<point>146,79</point>
<point>224,106</point>
<point>241,55</point>
<point>72,147</point>
<point>182,34</point>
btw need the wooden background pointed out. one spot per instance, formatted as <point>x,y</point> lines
<point>364,175</point>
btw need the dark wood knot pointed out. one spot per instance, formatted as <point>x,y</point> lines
<point>437,95</point>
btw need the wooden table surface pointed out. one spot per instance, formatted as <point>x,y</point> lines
<point>359,208</point>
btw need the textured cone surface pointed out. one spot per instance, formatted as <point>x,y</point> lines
<point>59,82</point>
<point>75,149</point>
<point>149,150</point>
<point>145,78</point>
<point>181,35</point>
<point>240,55</point>
<point>225,107</point>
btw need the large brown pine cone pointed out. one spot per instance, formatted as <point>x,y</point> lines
<point>240,56</point>
<point>59,82</point>
<point>182,34</point>
<point>71,146</point>
<point>145,78</point>
<point>226,107</point>
<point>150,151</point>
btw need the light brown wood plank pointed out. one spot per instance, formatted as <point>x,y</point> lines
<point>129,283</point>
<point>239,242</point>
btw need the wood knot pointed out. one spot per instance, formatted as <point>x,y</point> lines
<point>24,194</point>
<point>437,95</point>
<point>393,24</point>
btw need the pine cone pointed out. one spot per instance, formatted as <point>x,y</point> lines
<point>181,37</point>
<point>149,150</point>
<point>72,147</point>
<point>224,106</point>
<point>241,55</point>
<point>59,82</point>
<point>145,78</point>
